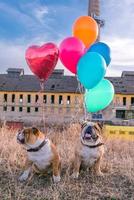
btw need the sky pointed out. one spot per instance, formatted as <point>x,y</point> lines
<point>27,22</point>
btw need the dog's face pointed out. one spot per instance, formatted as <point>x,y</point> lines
<point>28,135</point>
<point>91,132</point>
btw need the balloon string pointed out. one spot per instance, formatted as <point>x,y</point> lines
<point>42,85</point>
<point>42,104</point>
<point>81,90</point>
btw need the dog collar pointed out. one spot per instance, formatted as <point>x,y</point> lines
<point>93,146</point>
<point>37,148</point>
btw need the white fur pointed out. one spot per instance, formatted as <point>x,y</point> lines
<point>89,155</point>
<point>43,157</point>
<point>25,175</point>
<point>75,175</point>
<point>56,179</point>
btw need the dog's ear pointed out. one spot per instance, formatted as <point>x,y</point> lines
<point>99,127</point>
<point>83,124</point>
<point>100,124</point>
<point>35,130</point>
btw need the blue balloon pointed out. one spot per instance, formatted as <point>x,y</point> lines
<point>103,49</point>
<point>91,69</point>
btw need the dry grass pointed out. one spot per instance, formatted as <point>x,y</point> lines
<point>118,167</point>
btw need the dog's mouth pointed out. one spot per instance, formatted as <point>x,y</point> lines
<point>90,134</point>
<point>87,136</point>
<point>21,141</point>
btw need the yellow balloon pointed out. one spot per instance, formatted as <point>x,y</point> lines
<point>86,29</point>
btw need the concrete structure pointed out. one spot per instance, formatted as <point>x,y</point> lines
<point>95,12</point>
<point>61,100</point>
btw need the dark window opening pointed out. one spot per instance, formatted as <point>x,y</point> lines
<point>20,109</point>
<point>13,108</point>
<point>13,98</point>
<point>5,108</point>
<point>28,98</point>
<point>124,101</point>
<point>132,101</point>
<point>36,109</point>
<point>52,99</point>
<point>60,99</point>
<point>5,97</point>
<point>45,98</point>
<point>21,98</point>
<point>120,114</point>
<point>52,87</point>
<point>28,109</point>
<point>68,100</point>
<point>36,98</point>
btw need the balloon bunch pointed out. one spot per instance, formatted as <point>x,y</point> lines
<point>88,59</point>
<point>83,57</point>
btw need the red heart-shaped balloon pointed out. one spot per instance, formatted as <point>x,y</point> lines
<point>42,60</point>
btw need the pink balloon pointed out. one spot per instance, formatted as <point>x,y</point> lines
<point>42,59</point>
<point>71,49</point>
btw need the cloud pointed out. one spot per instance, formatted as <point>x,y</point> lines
<point>12,55</point>
<point>40,12</point>
<point>16,14</point>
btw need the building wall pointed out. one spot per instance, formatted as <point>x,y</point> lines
<point>58,112</point>
<point>71,106</point>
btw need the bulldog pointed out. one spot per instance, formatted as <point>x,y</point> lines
<point>41,153</point>
<point>90,149</point>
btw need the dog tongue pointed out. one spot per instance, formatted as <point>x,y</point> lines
<point>87,136</point>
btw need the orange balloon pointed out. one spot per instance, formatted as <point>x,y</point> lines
<point>86,29</point>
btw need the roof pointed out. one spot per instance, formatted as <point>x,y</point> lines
<point>60,83</point>
<point>30,83</point>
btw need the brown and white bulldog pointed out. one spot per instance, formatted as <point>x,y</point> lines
<point>90,149</point>
<point>41,153</point>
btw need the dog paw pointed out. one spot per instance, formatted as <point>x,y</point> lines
<point>99,173</point>
<point>75,175</point>
<point>23,177</point>
<point>56,179</point>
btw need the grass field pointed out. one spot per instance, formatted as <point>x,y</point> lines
<point>118,168</point>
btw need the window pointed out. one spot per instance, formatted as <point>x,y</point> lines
<point>28,98</point>
<point>13,98</point>
<point>96,116</point>
<point>21,98</point>
<point>20,109</point>
<point>5,97</point>
<point>36,98</point>
<point>52,99</point>
<point>68,100</point>
<point>5,108</point>
<point>28,109</point>
<point>36,109</point>
<point>45,98</point>
<point>132,101</point>
<point>60,99</point>
<point>120,114</point>
<point>124,101</point>
<point>13,108</point>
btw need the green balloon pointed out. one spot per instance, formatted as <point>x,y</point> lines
<point>99,97</point>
